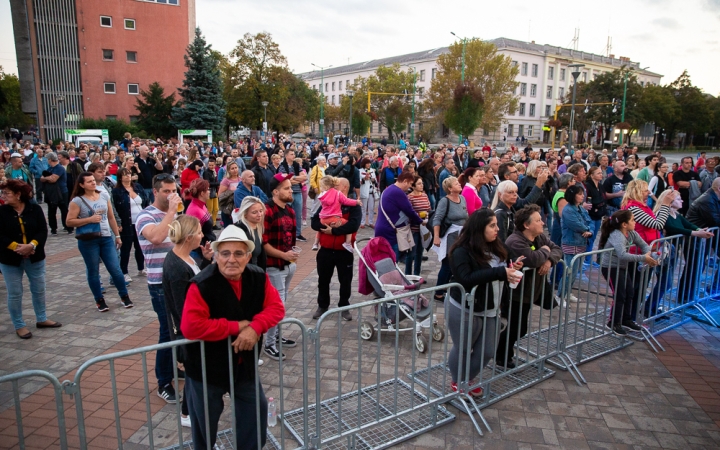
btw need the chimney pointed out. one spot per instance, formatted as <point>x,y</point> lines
<point>532,42</point>
<point>612,56</point>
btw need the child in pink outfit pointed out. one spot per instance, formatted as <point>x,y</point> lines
<point>331,200</point>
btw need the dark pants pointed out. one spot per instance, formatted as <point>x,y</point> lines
<point>39,189</point>
<point>226,218</point>
<point>163,358</point>
<point>327,261</point>
<point>443,275</point>
<point>415,255</point>
<point>517,317</point>
<point>687,288</point>
<point>621,282</point>
<point>130,238</point>
<point>246,399</point>
<point>52,212</point>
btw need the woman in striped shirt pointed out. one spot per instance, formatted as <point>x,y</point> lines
<point>421,204</point>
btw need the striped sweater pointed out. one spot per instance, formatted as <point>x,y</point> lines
<point>648,226</point>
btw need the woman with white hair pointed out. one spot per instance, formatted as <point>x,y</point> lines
<point>250,217</point>
<point>503,204</point>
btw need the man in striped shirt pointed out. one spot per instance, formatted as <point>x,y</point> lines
<point>152,229</point>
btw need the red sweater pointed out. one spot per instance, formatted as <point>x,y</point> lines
<point>197,324</point>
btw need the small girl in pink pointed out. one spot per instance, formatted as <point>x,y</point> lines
<point>331,200</point>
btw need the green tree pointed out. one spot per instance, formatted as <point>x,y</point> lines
<point>201,104</point>
<point>657,104</point>
<point>466,112</point>
<point>155,111</point>
<point>695,116</point>
<point>492,73</point>
<point>11,114</point>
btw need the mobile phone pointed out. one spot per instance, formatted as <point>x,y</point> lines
<point>672,188</point>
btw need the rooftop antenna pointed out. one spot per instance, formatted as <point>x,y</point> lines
<point>576,39</point>
<point>608,49</point>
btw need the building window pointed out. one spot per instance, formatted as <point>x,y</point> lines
<point>642,83</point>
<point>133,119</point>
<point>561,93</point>
<point>523,69</point>
<point>314,87</point>
<point>486,132</point>
<point>106,21</point>
<point>333,86</point>
<point>523,89</point>
<point>326,87</point>
<point>333,98</point>
<point>551,73</point>
<point>530,131</point>
<point>339,85</point>
<point>107,55</point>
<point>111,117</point>
<point>131,56</point>
<point>548,93</point>
<point>532,110</point>
<point>584,77</point>
<point>510,130</point>
<point>514,64</point>
<point>433,74</point>
<point>129,24</point>
<point>562,74</point>
<point>133,89</point>
<point>347,84</point>
<point>534,70</point>
<point>547,110</point>
<point>422,75</point>
<point>522,109</point>
<point>533,90</point>
<point>109,88</point>
<point>521,130</point>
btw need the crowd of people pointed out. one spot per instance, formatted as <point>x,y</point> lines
<point>212,223</point>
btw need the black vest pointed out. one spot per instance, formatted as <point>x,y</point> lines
<point>223,303</point>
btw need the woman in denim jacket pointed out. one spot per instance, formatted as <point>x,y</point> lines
<point>576,223</point>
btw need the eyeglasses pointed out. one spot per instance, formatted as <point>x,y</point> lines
<point>164,176</point>
<point>515,171</point>
<point>238,254</point>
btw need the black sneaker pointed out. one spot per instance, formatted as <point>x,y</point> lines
<point>126,302</point>
<point>631,325</point>
<point>102,306</point>
<point>346,315</point>
<point>301,238</point>
<point>510,364</point>
<point>167,393</point>
<point>273,353</point>
<point>619,330</point>
<point>285,342</point>
<point>54,233</point>
<point>319,312</point>
<point>69,230</point>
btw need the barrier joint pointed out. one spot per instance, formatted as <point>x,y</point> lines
<point>70,388</point>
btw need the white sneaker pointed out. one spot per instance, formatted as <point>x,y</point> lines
<point>260,362</point>
<point>315,247</point>
<point>127,278</point>
<point>347,246</point>
<point>185,421</point>
<point>574,299</point>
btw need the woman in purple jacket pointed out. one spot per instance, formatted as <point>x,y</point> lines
<point>395,205</point>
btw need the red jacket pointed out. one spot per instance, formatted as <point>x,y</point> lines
<point>335,241</point>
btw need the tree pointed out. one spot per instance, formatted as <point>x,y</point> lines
<point>466,112</point>
<point>657,105</point>
<point>695,116</point>
<point>155,111</point>
<point>201,104</point>
<point>492,73</point>
<point>11,114</point>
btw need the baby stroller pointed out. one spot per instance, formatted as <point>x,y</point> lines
<point>379,274</point>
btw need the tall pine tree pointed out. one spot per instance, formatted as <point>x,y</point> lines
<point>201,105</point>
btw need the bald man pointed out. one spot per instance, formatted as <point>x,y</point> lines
<point>247,187</point>
<point>148,167</point>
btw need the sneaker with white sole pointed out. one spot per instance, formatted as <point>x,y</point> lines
<point>102,306</point>
<point>185,421</point>
<point>260,362</point>
<point>347,246</point>
<point>126,302</point>
<point>573,298</point>
<point>273,353</point>
<point>315,247</point>
<point>286,342</point>
<point>128,279</point>
<point>167,393</point>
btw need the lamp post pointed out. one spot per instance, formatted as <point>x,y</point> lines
<point>462,70</point>
<point>322,98</point>
<point>575,74</point>
<point>350,93</point>
<point>265,104</point>
<point>622,115</point>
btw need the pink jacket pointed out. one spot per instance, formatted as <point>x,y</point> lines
<point>331,201</point>
<point>376,249</point>
<point>471,198</point>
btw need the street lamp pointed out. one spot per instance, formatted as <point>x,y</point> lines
<point>322,98</point>
<point>462,69</point>
<point>265,104</point>
<point>350,94</point>
<point>622,116</point>
<point>575,74</point>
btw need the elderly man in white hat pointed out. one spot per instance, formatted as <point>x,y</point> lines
<point>231,298</point>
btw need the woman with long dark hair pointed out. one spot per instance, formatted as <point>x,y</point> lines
<point>470,180</point>
<point>426,171</point>
<point>478,259</point>
<point>130,200</point>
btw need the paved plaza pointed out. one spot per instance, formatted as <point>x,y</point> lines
<point>634,399</point>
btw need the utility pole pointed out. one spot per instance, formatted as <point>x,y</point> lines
<point>350,94</point>
<point>575,74</point>
<point>322,98</point>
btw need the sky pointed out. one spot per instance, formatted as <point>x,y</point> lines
<point>668,36</point>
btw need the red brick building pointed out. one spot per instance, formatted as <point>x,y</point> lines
<point>89,58</point>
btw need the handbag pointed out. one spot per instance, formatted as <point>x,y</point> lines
<point>311,193</point>
<point>88,231</point>
<point>404,235</point>
<point>226,201</point>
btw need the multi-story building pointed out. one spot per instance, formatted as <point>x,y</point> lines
<point>89,58</point>
<point>544,80</point>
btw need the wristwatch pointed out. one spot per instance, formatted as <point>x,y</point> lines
<point>33,246</point>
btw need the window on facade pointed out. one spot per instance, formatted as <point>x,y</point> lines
<point>333,85</point>
<point>533,90</point>
<point>514,63</point>
<point>510,130</point>
<point>642,83</point>
<point>106,21</point>
<point>129,24</point>
<point>548,93</point>
<point>521,130</point>
<point>523,89</point>
<point>532,110</point>
<point>421,92</point>
<point>547,110</point>
<point>561,93</point>
<point>530,131</point>
<point>422,75</point>
<point>326,87</point>
<point>133,119</point>
<point>584,77</point>
<point>339,85</point>
<point>107,55</point>
<point>111,117</point>
<point>131,56</point>
<point>109,88</point>
<point>486,132</point>
<point>347,84</point>
<point>333,99</point>
<point>522,109</point>
<point>534,70</point>
<point>314,88</point>
<point>433,74</point>
<point>551,73</point>
<point>133,89</point>
<point>523,69</point>
<point>562,74</point>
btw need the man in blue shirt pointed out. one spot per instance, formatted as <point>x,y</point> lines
<point>56,192</point>
<point>37,165</point>
<point>247,187</point>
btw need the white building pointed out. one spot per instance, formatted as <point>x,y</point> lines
<point>543,78</point>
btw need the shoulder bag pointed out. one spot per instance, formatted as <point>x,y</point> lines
<point>88,231</point>
<point>403,234</point>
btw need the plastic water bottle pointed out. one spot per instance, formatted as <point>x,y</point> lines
<point>272,412</point>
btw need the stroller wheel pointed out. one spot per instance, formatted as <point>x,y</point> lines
<point>420,343</point>
<point>438,334</point>
<point>367,331</point>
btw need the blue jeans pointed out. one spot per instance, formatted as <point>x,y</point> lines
<point>246,400</point>
<point>571,272</point>
<point>297,207</point>
<point>595,228</point>
<point>414,254</point>
<point>163,358</point>
<point>13,276</point>
<point>103,249</point>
